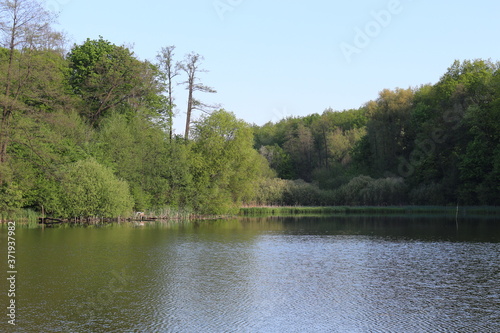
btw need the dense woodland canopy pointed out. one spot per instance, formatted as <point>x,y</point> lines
<point>89,133</point>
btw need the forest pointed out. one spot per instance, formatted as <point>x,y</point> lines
<point>87,132</point>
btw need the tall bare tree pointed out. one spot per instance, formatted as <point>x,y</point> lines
<point>25,26</point>
<point>169,70</point>
<point>191,66</point>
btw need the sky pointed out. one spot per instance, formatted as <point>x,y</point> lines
<point>274,59</point>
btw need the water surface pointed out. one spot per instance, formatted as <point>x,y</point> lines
<point>340,274</point>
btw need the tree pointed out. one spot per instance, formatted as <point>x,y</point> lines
<point>136,150</point>
<point>461,109</point>
<point>24,27</point>
<point>169,70</point>
<point>388,127</point>
<point>109,78</point>
<point>42,144</point>
<point>278,160</point>
<point>191,66</point>
<point>300,147</point>
<point>225,167</point>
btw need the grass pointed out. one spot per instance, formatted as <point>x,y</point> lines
<point>179,214</point>
<point>367,210</point>
<point>169,213</point>
<point>21,216</point>
<point>31,218</point>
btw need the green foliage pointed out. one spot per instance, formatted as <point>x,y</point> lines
<point>427,194</point>
<point>91,189</point>
<point>90,135</point>
<point>225,165</point>
<point>388,127</point>
<point>386,192</point>
<point>299,145</point>
<point>364,190</point>
<point>108,77</point>
<point>351,193</point>
<point>270,191</point>
<point>137,151</point>
<point>11,197</point>
<point>443,139</point>
<point>301,193</point>
<point>84,58</point>
<point>42,144</point>
<point>279,160</point>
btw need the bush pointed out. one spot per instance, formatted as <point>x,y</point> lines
<point>89,189</point>
<point>300,193</point>
<point>332,178</point>
<point>360,191</point>
<point>364,190</point>
<point>280,192</point>
<point>270,191</point>
<point>428,194</point>
<point>350,193</point>
<point>385,191</point>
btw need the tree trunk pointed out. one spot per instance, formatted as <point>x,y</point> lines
<point>189,110</point>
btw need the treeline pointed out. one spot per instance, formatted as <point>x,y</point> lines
<point>432,145</point>
<point>89,133</point>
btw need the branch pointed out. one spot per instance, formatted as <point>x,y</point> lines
<point>197,105</point>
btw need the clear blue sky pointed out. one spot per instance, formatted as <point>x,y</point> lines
<point>270,59</point>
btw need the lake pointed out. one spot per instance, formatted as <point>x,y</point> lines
<point>307,274</point>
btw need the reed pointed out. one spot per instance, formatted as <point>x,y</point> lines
<point>21,216</point>
<point>371,210</point>
<point>170,214</point>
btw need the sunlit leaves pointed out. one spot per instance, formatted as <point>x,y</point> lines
<point>91,189</point>
<point>109,78</point>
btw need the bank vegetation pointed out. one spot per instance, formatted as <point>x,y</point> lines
<point>87,132</point>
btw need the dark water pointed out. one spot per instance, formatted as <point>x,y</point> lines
<point>356,274</point>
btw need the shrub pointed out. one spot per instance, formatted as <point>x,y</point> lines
<point>364,190</point>
<point>350,193</point>
<point>270,191</point>
<point>385,191</point>
<point>428,194</point>
<point>89,189</point>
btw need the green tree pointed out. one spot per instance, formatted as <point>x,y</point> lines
<point>341,144</point>
<point>32,140</point>
<point>388,128</point>
<point>300,147</point>
<point>136,149</point>
<point>109,77</point>
<point>456,119</point>
<point>43,144</point>
<point>278,160</point>
<point>25,27</point>
<point>225,167</point>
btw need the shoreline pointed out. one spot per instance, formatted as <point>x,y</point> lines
<point>35,218</point>
<point>466,211</point>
